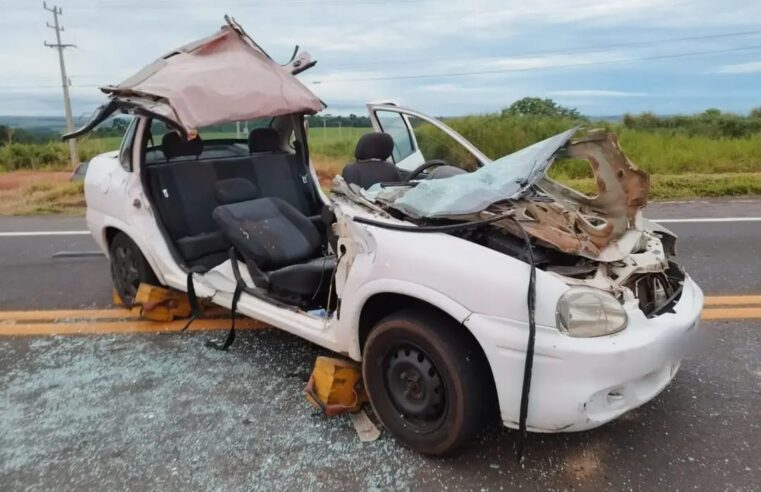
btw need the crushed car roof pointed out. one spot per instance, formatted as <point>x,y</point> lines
<point>221,78</point>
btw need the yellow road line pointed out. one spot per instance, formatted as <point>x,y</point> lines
<point>65,314</point>
<point>732,313</point>
<point>100,328</point>
<point>103,321</point>
<point>71,314</point>
<point>731,300</point>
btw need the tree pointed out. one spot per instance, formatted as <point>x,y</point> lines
<point>120,125</point>
<point>7,134</point>
<point>534,106</point>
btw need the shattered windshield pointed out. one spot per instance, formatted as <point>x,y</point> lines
<point>504,179</point>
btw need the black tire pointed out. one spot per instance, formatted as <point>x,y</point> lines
<point>427,381</point>
<point>129,268</point>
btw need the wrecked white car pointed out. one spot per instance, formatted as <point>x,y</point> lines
<point>459,291</point>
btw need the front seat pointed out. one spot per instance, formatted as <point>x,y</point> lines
<point>371,166</point>
<point>282,249</point>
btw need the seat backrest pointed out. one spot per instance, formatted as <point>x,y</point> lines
<point>235,190</point>
<point>185,196</point>
<point>277,172</point>
<point>371,165</point>
<point>277,175</point>
<point>263,140</point>
<point>269,231</point>
<point>173,145</point>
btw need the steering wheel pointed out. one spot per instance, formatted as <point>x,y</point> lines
<point>424,166</point>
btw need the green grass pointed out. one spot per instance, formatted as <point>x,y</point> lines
<point>51,155</point>
<point>681,165</point>
<point>680,186</point>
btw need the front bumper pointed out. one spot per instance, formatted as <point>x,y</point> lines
<point>582,383</point>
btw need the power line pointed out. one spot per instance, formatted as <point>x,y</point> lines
<point>505,70</point>
<point>241,4</point>
<point>527,69</point>
<point>482,72</point>
<point>579,49</point>
<point>64,79</point>
<point>568,51</point>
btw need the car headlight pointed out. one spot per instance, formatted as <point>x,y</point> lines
<point>587,312</point>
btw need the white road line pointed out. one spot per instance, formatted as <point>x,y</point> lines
<point>708,219</point>
<point>44,233</point>
<point>660,221</point>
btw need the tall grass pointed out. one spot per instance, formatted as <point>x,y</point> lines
<point>657,152</point>
<point>53,156</point>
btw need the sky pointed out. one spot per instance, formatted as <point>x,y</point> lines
<point>442,57</point>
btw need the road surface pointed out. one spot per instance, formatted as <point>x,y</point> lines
<point>161,411</point>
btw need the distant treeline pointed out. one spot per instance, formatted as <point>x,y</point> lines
<point>8,134</point>
<point>112,128</point>
<point>334,121</point>
<point>711,123</point>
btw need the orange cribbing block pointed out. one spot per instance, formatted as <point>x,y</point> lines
<point>336,386</point>
<point>160,304</point>
<point>117,300</point>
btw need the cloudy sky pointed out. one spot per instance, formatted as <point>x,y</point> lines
<point>445,57</point>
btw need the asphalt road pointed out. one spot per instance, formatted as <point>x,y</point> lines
<point>136,412</point>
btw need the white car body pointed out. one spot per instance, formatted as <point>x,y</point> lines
<point>577,383</point>
<point>480,278</point>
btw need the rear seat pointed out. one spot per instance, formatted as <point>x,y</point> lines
<point>184,191</point>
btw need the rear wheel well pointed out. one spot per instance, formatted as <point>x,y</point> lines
<point>381,305</point>
<point>110,233</point>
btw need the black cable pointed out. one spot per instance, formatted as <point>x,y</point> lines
<point>240,286</point>
<point>529,365</point>
<point>441,228</point>
<point>195,306</point>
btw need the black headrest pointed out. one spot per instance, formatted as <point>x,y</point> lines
<point>263,140</point>
<point>172,145</point>
<point>374,146</point>
<point>235,190</point>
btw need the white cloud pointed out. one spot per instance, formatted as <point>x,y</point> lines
<point>370,39</point>
<point>596,93</point>
<point>739,68</point>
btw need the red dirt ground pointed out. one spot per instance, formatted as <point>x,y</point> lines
<point>17,179</point>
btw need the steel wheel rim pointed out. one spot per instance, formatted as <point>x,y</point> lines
<point>415,388</point>
<point>125,271</point>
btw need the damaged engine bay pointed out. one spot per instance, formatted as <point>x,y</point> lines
<point>600,241</point>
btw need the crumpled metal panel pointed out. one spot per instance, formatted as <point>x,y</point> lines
<point>506,178</point>
<point>607,226</point>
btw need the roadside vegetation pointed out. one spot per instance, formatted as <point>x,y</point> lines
<point>711,154</point>
<point>31,193</point>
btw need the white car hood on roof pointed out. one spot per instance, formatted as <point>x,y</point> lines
<point>221,78</point>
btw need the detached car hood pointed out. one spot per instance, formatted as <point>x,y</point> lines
<point>605,227</point>
<point>220,78</point>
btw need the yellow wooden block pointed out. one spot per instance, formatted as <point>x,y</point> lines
<point>336,386</point>
<point>160,304</point>
<point>117,300</point>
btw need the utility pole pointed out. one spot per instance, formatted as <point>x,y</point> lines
<point>64,79</point>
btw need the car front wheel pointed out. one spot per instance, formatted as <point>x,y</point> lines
<point>427,380</point>
<point>129,268</point>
